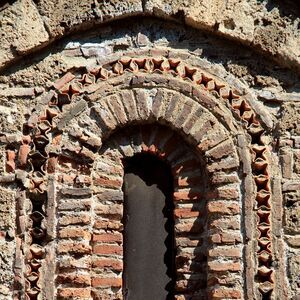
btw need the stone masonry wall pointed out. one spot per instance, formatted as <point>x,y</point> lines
<point>60,123</point>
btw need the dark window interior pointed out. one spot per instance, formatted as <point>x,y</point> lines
<point>149,253</point>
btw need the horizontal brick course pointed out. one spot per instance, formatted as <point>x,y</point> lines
<point>68,232</point>
<point>109,263</point>
<point>73,248</point>
<point>108,237</point>
<point>222,293</point>
<point>74,293</point>
<point>224,266</point>
<point>221,207</point>
<point>103,249</point>
<point>224,252</point>
<point>106,282</point>
<point>79,218</point>
<point>76,279</point>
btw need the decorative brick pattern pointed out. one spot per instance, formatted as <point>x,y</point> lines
<point>53,149</point>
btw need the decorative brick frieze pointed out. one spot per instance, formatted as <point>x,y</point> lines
<point>73,138</point>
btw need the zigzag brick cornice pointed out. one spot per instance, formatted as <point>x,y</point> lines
<point>76,91</point>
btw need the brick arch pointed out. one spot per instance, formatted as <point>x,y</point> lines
<point>43,140</point>
<point>191,197</point>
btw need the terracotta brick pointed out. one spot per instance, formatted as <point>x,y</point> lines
<point>74,293</point>
<point>103,249</point>
<point>129,104</point>
<point>189,195</point>
<point>76,192</point>
<point>201,128</point>
<point>117,109</point>
<point>222,293</point>
<point>108,225</point>
<point>223,149</point>
<point>70,263</point>
<point>74,279</point>
<point>194,226</point>
<point>71,205</point>
<point>224,224</point>
<point>79,218</point>
<point>113,211</point>
<point>142,104</point>
<point>226,238</point>
<point>73,248</point>
<point>108,237</point>
<point>68,232</point>
<point>220,177</point>
<point>184,113</point>
<point>110,195</point>
<point>186,213</point>
<point>224,164</point>
<point>188,181</point>
<point>106,282</point>
<point>108,263</point>
<point>224,266</point>
<point>59,83</point>
<point>224,208</point>
<point>228,193</point>
<point>225,252</point>
<point>188,242</point>
<point>107,182</point>
<point>212,139</point>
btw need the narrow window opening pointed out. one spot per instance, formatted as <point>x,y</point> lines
<point>149,251</point>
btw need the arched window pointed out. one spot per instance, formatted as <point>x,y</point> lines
<point>149,246</point>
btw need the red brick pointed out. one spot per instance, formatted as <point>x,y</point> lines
<point>74,279</point>
<point>223,149</point>
<point>219,178</point>
<point>211,140</point>
<point>109,263</point>
<point>107,249</point>
<point>222,293</point>
<point>107,182</point>
<point>72,247</point>
<point>224,193</point>
<point>68,232</point>
<point>187,195</point>
<point>186,213</point>
<point>194,226</point>
<point>224,252</point>
<point>188,181</point>
<point>108,237</point>
<point>112,211</point>
<point>225,224</point>
<point>106,282</point>
<point>226,238</point>
<point>224,208</point>
<point>187,242</point>
<point>108,225</point>
<point>224,266</point>
<point>79,218</point>
<point>74,293</point>
<point>224,164</point>
<point>58,84</point>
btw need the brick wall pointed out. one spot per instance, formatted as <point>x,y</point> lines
<point>69,164</point>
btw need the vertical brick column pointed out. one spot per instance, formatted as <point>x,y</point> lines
<point>107,237</point>
<point>74,243</point>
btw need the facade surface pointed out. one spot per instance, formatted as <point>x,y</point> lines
<point>211,88</point>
